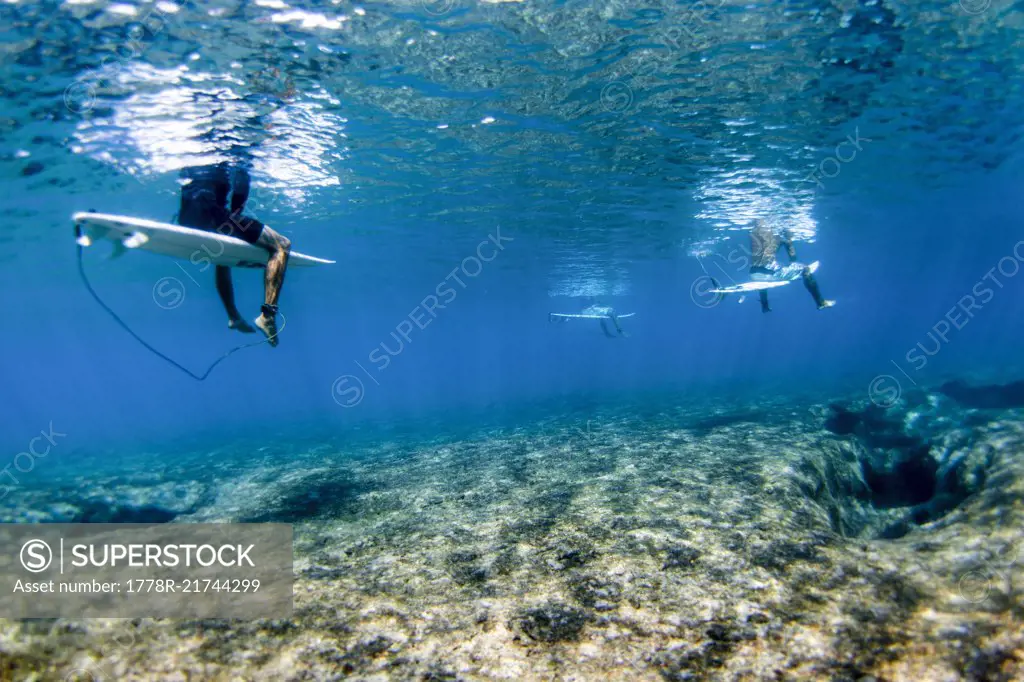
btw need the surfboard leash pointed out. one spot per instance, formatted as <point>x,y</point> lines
<point>150,348</point>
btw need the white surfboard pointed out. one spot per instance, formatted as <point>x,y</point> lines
<point>747,287</point>
<point>581,316</point>
<point>197,246</point>
<point>796,273</point>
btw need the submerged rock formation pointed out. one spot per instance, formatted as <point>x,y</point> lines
<point>712,540</point>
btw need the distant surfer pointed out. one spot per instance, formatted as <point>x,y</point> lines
<point>204,206</point>
<point>764,266</point>
<point>603,313</point>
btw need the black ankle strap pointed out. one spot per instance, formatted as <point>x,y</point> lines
<point>269,310</point>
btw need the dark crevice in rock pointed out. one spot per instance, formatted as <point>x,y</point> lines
<point>990,664</point>
<point>309,497</point>
<point>553,622</point>
<point>700,662</point>
<point>466,567</point>
<point>872,425</point>
<point>103,511</point>
<point>905,480</point>
<point>781,553</point>
<point>594,591</point>
<point>899,470</point>
<point>680,558</point>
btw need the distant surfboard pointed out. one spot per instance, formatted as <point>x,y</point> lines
<point>764,284</point>
<point>176,241</point>
<point>581,316</point>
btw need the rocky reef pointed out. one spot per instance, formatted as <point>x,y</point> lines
<point>719,540</point>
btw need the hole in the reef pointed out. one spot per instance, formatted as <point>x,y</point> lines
<point>899,469</point>
<point>842,421</point>
<point>909,481</point>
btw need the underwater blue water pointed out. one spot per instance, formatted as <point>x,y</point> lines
<point>605,145</point>
<point>479,491</point>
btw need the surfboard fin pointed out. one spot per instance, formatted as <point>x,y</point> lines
<point>135,240</point>
<point>132,241</point>
<point>82,238</point>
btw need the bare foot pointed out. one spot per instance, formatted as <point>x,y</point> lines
<point>826,304</point>
<point>238,324</point>
<point>268,326</point>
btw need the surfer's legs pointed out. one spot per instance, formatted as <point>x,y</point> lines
<point>812,286</point>
<point>763,295</point>
<point>227,297</point>
<point>226,291</point>
<point>279,247</point>
<point>618,327</point>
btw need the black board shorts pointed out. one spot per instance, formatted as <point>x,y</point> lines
<point>201,211</point>
<point>204,200</point>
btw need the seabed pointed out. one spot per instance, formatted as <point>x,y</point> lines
<point>711,540</point>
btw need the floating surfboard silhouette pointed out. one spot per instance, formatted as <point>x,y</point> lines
<point>747,287</point>
<point>594,312</point>
<point>176,241</point>
<point>584,316</point>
